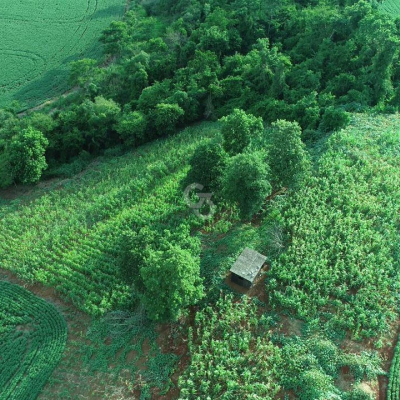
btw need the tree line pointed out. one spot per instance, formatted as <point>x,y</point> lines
<point>171,63</point>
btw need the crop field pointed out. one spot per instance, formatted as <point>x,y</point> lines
<point>40,38</point>
<point>391,7</point>
<point>33,335</point>
<point>342,264</point>
<point>69,238</point>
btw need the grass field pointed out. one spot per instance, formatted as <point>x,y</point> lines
<point>39,39</point>
<point>32,340</point>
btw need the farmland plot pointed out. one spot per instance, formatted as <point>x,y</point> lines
<point>32,340</point>
<point>38,40</point>
<point>391,7</point>
<point>69,238</point>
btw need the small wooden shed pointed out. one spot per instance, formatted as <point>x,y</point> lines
<point>246,268</point>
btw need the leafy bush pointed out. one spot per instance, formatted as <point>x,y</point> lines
<point>289,159</point>
<point>245,182</point>
<point>207,165</point>
<point>132,128</point>
<point>27,156</point>
<point>164,268</point>
<point>333,120</point>
<point>238,129</point>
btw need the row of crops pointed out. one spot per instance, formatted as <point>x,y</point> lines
<point>232,356</point>
<point>342,265</point>
<point>391,7</point>
<point>33,335</point>
<point>393,391</point>
<point>69,238</point>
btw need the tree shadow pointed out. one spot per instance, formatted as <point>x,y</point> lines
<point>43,88</point>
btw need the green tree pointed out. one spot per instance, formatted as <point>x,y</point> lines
<point>99,118</point>
<point>83,72</point>
<point>334,119</point>
<point>171,282</point>
<point>289,159</point>
<point>164,268</point>
<point>245,182</point>
<point>238,129</point>
<point>27,155</point>
<point>207,165</point>
<point>115,38</point>
<point>166,117</point>
<point>132,128</point>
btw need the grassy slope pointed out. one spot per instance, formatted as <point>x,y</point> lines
<point>39,39</point>
<point>68,236</point>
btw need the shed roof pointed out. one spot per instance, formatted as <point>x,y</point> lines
<point>248,264</point>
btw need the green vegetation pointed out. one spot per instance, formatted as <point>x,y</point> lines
<point>246,182</point>
<point>128,332</point>
<point>207,165</point>
<point>231,354</point>
<point>393,392</point>
<point>32,340</point>
<point>287,154</point>
<point>174,63</point>
<point>38,40</point>
<point>238,131</point>
<point>26,156</point>
<point>235,354</point>
<point>391,7</point>
<point>164,268</point>
<point>342,263</point>
<point>296,158</point>
<point>71,238</point>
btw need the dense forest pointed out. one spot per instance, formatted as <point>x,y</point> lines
<point>169,64</point>
<point>286,111</point>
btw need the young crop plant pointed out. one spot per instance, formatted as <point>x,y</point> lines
<point>232,356</point>
<point>33,335</point>
<point>342,265</point>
